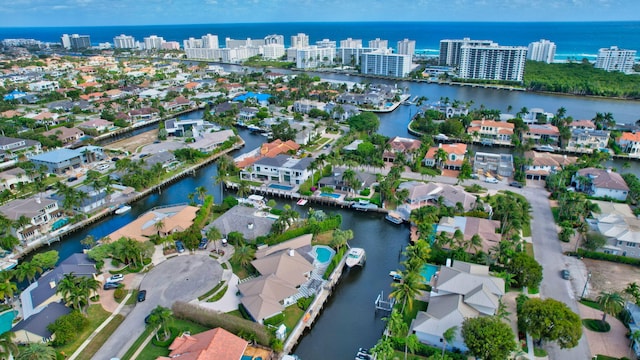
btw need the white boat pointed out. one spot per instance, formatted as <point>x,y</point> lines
<point>546,148</point>
<point>356,256</point>
<point>396,276</point>
<point>302,202</point>
<point>394,218</point>
<point>124,208</point>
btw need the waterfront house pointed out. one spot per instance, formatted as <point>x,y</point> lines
<point>42,292</point>
<point>588,140</point>
<point>341,112</point>
<point>271,149</point>
<point>459,292</point>
<point>180,127</point>
<point>97,125</point>
<point>487,229</point>
<point>164,158</point>
<point>145,113</point>
<point>582,124</point>
<point>9,179</point>
<point>178,104</point>
<point>400,145</point>
<point>41,213</point>
<point>247,113</point>
<point>423,194</point>
<point>34,329</point>
<point>498,132</point>
<point>500,164</point>
<point>629,142</point>
<point>542,164</point>
<point>208,141</point>
<point>11,147</point>
<point>542,134</point>
<point>65,135</point>
<point>304,106</point>
<point>620,226</point>
<point>218,344</point>
<point>93,200</point>
<point>62,160</point>
<point>455,156</point>
<point>335,181</point>
<point>281,169</point>
<point>161,221</point>
<point>248,221</point>
<point>602,183</point>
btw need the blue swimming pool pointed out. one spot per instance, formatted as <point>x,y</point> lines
<point>428,271</point>
<point>6,320</point>
<point>59,223</point>
<point>335,196</point>
<point>281,187</point>
<point>389,104</point>
<point>323,254</point>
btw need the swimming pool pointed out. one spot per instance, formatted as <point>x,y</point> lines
<point>335,196</point>
<point>323,254</point>
<point>281,187</point>
<point>389,104</point>
<point>59,223</point>
<point>428,270</point>
<point>6,320</point>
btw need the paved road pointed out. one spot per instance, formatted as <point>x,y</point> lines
<point>181,278</point>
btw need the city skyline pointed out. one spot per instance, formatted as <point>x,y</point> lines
<point>68,13</point>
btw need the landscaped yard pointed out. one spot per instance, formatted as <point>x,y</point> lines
<point>101,338</point>
<point>152,352</point>
<point>292,314</point>
<point>412,313</point>
<point>96,315</point>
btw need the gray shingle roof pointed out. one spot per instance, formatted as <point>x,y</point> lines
<point>37,323</point>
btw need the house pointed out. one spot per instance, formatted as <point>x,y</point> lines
<point>98,125</point>
<point>542,134</point>
<point>41,212</point>
<point>470,226</point>
<point>602,183</point>
<point>422,194</point>
<point>305,132</point>
<point>336,182</point>
<point>582,124</point>
<point>542,164</point>
<point>501,164</point>
<point>145,113</point>
<point>459,292</point>
<point>208,141</point>
<point>498,132</point>
<point>588,139</point>
<point>280,169</point>
<point>10,147</point>
<point>620,226</point>
<point>160,221</point>
<point>177,104</point>
<point>65,135</point>
<point>282,273</point>
<point>12,177</point>
<point>62,160</point>
<point>218,344</point>
<point>271,149</point>
<point>634,324</point>
<point>630,143</point>
<point>455,156</point>
<point>93,200</point>
<point>248,221</point>
<point>43,291</point>
<point>247,113</point>
<point>182,127</point>
<point>34,329</point>
<point>304,106</point>
<point>164,158</point>
<point>400,145</point>
<point>341,112</point>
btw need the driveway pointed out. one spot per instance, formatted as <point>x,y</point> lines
<point>181,278</point>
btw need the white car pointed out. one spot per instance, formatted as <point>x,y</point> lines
<point>491,180</point>
<point>441,137</point>
<point>115,278</point>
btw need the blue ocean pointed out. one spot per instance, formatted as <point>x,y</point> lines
<point>574,40</point>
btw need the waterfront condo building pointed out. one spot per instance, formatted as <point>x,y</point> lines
<point>124,42</point>
<point>381,62</point>
<point>153,42</point>
<point>274,39</point>
<point>351,56</point>
<point>378,44</point>
<point>543,50</point>
<point>300,41</point>
<point>273,51</point>
<point>248,42</point>
<point>614,59</point>
<point>451,50</point>
<point>492,62</point>
<point>406,47</point>
<point>326,43</point>
<point>351,43</point>
<point>75,41</point>
<point>313,57</point>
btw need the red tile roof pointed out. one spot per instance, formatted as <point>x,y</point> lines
<point>215,344</point>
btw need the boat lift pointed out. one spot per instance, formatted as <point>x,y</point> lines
<point>384,305</point>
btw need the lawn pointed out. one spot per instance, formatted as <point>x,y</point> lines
<point>101,338</point>
<point>590,303</point>
<point>596,325</point>
<point>323,238</point>
<point>152,352</point>
<point>96,315</point>
<point>236,313</point>
<point>528,248</point>
<point>239,270</point>
<point>292,314</point>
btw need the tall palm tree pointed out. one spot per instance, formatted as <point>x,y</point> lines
<point>474,244</point>
<point>611,303</point>
<point>441,157</point>
<point>243,254</point>
<point>87,287</point>
<point>37,351</point>
<point>244,188</point>
<point>27,270</point>
<point>160,317</point>
<point>8,348</point>
<point>202,192</point>
<point>68,289</point>
<point>447,338</point>
<point>350,179</point>
<point>408,289</point>
<point>7,287</point>
<point>159,226</point>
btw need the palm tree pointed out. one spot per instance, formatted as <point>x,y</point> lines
<point>68,289</point>
<point>340,238</point>
<point>87,286</point>
<point>159,226</point>
<point>243,254</point>
<point>88,241</point>
<point>447,338</point>
<point>350,179</point>
<point>22,221</point>
<point>441,157</point>
<point>213,233</point>
<point>244,187</point>
<point>27,270</point>
<point>634,337</point>
<point>37,351</point>
<point>7,346</point>
<point>611,303</point>
<point>7,287</point>
<point>160,317</point>
<point>474,244</point>
<point>408,289</point>
<point>383,349</point>
<point>202,192</point>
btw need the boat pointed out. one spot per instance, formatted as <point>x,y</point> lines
<point>394,218</point>
<point>364,354</point>
<point>395,275</point>
<point>302,202</point>
<point>364,205</point>
<point>356,256</point>
<point>546,148</point>
<point>124,208</point>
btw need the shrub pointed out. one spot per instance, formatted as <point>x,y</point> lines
<point>304,303</point>
<point>365,192</point>
<point>608,257</point>
<point>275,320</point>
<point>173,332</point>
<point>119,294</point>
<point>66,327</point>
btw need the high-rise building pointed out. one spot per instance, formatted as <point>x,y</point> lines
<point>313,57</point>
<point>351,43</point>
<point>248,42</point>
<point>124,42</point>
<point>383,62</point>
<point>614,59</point>
<point>75,41</point>
<point>378,44</point>
<point>543,50</point>
<point>300,41</point>
<point>274,39</point>
<point>326,43</point>
<point>65,41</point>
<point>451,50</point>
<point>272,51</point>
<point>210,41</point>
<point>407,47</point>
<point>153,42</point>
<point>492,62</point>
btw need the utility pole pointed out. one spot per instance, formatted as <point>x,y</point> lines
<point>585,285</point>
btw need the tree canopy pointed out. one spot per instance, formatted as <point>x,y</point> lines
<point>488,338</point>
<point>550,320</point>
<point>367,122</point>
<point>526,270</point>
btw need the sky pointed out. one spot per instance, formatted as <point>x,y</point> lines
<point>65,13</point>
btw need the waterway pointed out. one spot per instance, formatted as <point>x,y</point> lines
<point>349,320</point>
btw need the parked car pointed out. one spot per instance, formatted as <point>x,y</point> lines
<point>491,180</point>
<point>72,179</point>
<point>115,159</point>
<point>110,285</point>
<point>142,295</point>
<point>115,278</point>
<point>441,137</point>
<point>203,243</point>
<point>146,319</point>
<point>516,184</point>
<point>565,274</point>
<point>179,246</point>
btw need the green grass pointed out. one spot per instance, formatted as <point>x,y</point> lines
<point>596,325</point>
<point>151,351</point>
<point>526,230</point>
<point>211,292</point>
<point>137,343</point>
<point>539,352</point>
<point>219,295</point>
<point>239,270</point>
<point>533,291</point>
<point>96,315</point>
<point>604,357</point>
<point>410,314</point>
<point>292,314</point>
<point>556,213</point>
<point>590,303</point>
<point>236,313</point>
<point>133,298</point>
<point>224,266</point>
<point>528,248</point>
<point>100,338</point>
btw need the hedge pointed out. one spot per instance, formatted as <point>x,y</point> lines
<point>275,320</point>
<point>596,255</point>
<point>334,262</point>
<point>213,319</point>
<point>426,350</point>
